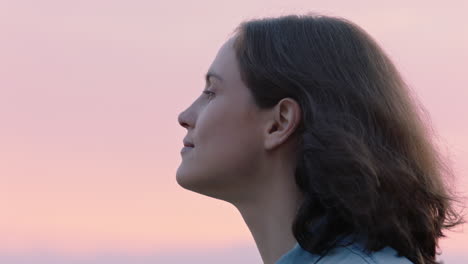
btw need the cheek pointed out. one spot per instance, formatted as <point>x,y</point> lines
<point>227,142</point>
<point>225,128</point>
<point>231,145</point>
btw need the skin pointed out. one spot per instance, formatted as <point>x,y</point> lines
<point>244,155</point>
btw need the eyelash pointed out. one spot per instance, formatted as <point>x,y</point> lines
<point>208,93</point>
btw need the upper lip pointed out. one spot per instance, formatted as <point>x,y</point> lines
<point>188,143</point>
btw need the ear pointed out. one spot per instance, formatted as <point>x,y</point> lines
<point>286,116</point>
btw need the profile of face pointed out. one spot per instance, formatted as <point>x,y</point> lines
<point>222,123</point>
<point>227,130</point>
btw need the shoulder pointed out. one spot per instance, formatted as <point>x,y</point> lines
<point>350,254</point>
<point>355,254</point>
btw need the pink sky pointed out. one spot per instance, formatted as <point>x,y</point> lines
<point>90,92</point>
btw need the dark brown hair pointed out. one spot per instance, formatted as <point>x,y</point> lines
<point>367,164</point>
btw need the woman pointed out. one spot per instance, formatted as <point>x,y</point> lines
<point>307,128</point>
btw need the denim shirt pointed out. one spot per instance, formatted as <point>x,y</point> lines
<point>346,253</point>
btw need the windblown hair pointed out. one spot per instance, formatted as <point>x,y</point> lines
<point>367,164</point>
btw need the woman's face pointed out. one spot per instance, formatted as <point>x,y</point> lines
<point>225,129</point>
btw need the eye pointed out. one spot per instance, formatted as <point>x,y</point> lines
<point>209,93</point>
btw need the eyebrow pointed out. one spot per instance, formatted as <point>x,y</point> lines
<point>212,74</point>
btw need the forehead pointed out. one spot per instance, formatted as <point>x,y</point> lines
<point>225,63</point>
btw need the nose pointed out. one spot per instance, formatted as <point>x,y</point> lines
<point>183,120</point>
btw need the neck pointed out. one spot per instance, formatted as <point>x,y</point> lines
<point>269,217</point>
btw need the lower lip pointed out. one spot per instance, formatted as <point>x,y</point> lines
<point>185,149</point>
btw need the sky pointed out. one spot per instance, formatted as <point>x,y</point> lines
<point>90,92</point>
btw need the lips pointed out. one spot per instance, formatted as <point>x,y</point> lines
<point>188,144</point>
<point>185,149</point>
